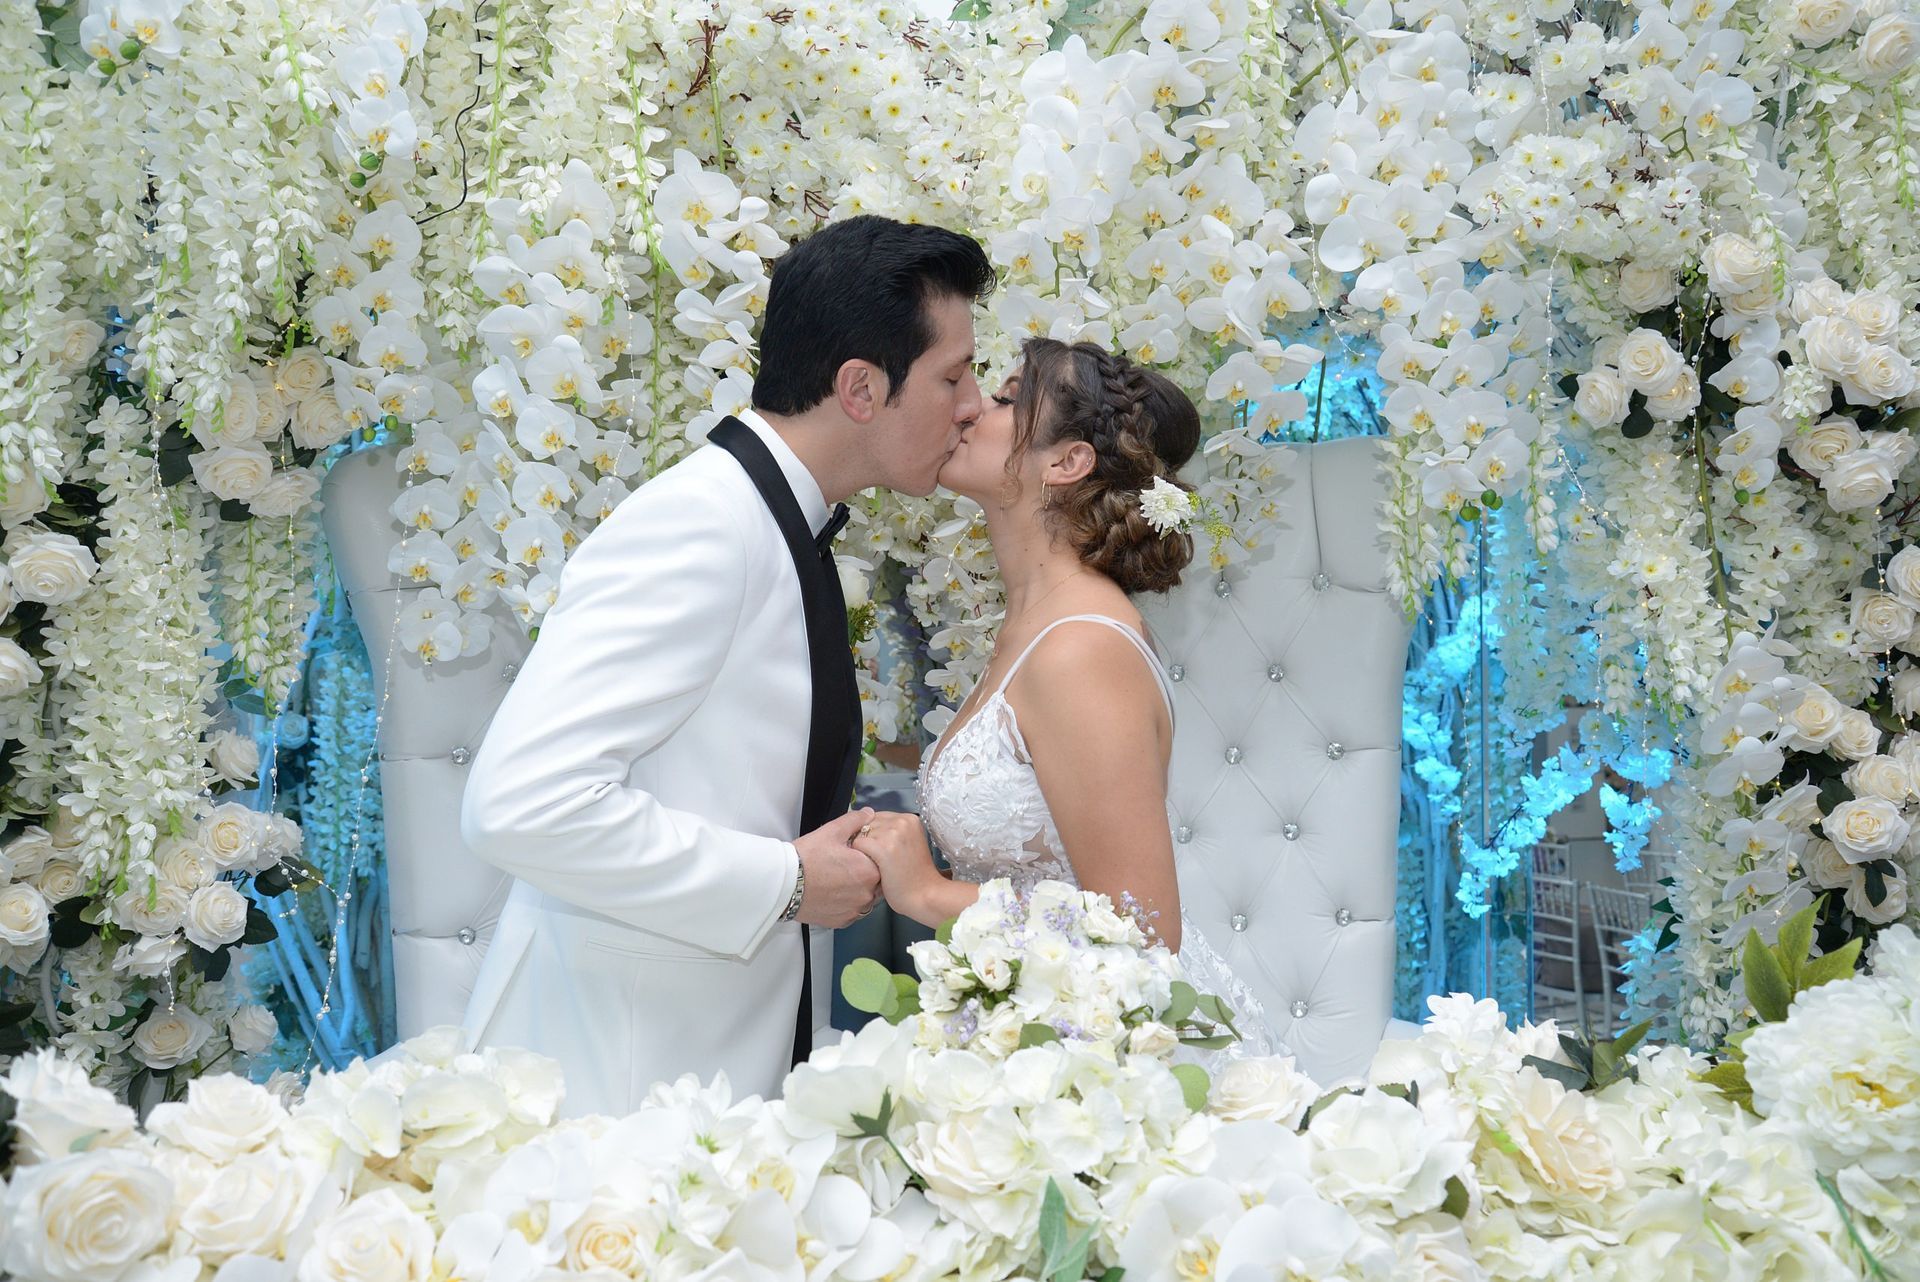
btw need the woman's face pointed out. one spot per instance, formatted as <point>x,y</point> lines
<point>977,468</point>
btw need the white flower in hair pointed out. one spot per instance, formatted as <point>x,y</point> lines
<point>1167,507</point>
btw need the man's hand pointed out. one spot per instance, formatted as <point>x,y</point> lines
<point>842,883</point>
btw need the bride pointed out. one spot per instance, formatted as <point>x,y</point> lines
<point>1055,766</point>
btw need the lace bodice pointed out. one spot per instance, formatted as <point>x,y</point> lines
<point>981,800</point>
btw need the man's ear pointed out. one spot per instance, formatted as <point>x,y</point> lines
<point>1075,463</point>
<point>861,389</point>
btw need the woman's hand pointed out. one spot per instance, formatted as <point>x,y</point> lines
<point>897,844</point>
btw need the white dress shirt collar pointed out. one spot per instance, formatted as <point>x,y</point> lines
<point>806,490</point>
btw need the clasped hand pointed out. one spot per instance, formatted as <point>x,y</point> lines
<point>860,858</point>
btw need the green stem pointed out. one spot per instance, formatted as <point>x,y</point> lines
<point>1339,46</point>
<point>1126,29</point>
<point>1713,545</point>
<point>1874,1268</point>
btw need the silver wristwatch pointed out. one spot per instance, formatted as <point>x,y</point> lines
<point>792,909</point>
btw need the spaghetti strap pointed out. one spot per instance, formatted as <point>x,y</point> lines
<point>1146,651</point>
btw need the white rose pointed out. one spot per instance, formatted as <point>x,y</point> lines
<point>375,1238</point>
<point>65,828</point>
<point>151,907</point>
<point>275,410</point>
<point>1817,21</point>
<point>289,493</point>
<point>1892,906</point>
<point>235,757</point>
<point>302,372</point>
<point>253,1206</point>
<point>1643,288</point>
<point>7,595</point>
<point>24,924</point>
<point>18,670</point>
<point>1881,776</point>
<point>999,1034</point>
<point>60,880</point>
<point>231,834</point>
<point>1877,314</point>
<point>48,568</point>
<point>20,503</point>
<point>1858,737</point>
<point>1601,398</point>
<point>1884,375</point>
<point>1272,1089</point>
<point>1818,447</point>
<point>1834,345</point>
<point>1646,362</point>
<point>233,471</point>
<point>1858,480</point>
<point>216,915</point>
<point>237,419</point>
<point>1889,46</point>
<point>1903,575</point>
<point>252,1029</point>
<point>169,1038</point>
<point>1374,1149</point>
<point>29,852</point>
<point>56,1107</point>
<point>1819,297</point>
<point>1825,866</point>
<point>1881,619</point>
<point>994,967</point>
<point>222,1117</point>
<point>150,956</point>
<point>854,584</point>
<point>1815,720</point>
<point>1906,692</point>
<point>1153,1040</point>
<point>1735,265</point>
<point>318,421</point>
<point>1866,828</point>
<point>75,342</point>
<point>611,1234</point>
<point>1677,399</point>
<point>87,1217</point>
<point>280,839</point>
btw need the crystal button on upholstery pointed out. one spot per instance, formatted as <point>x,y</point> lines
<point>1222,589</point>
<point>1335,752</point>
<point>1321,583</point>
<point>509,672</point>
<point>1239,921</point>
<point>1299,1009</point>
<point>1183,834</point>
<point>1290,831</point>
<point>1178,672</point>
<point>460,756</point>
<point>1234,755</point>
<point>467,935</point>
<point>1344,917</point>
<point>1275,672</point>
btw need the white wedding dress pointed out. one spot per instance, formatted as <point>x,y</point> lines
<point>981,800</point>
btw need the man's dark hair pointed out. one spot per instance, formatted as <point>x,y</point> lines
<point>858,290</point>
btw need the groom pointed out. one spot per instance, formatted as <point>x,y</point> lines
<point>669,776</point>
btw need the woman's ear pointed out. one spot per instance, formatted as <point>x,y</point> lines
<point>1074,463</point>
<point>861,388</point>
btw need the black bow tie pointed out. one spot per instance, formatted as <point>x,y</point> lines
<point>835,523</point>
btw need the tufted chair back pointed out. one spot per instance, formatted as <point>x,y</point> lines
<point>443,902</point>
<point>1285,782</point>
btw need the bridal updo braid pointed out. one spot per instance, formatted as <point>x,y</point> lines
<point>1140,426</point>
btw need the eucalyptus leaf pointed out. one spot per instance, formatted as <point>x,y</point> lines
<point>867,985</point>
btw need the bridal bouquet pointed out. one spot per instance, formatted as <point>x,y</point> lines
<point>1054,964</point>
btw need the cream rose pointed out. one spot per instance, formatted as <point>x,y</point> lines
<point>1889,45</point>
<point>1602,399</point>
<point>1866,828</point>
<point>1643,288</point>
<point>611,1234</point>
<point>233,472</point>
<point>302,372</point>
<point>1881,620</point>
<point>222,1117</point>
<point>1884,375</point>
<point>1819,297</point>
<point>1815,720</point>
<point>151,906</point>
<point>1816,448</point>
<point>1815,22</point>
<point>18,670</point>
<point>231,834</point>
<point>1903,575</point>
<point>29,852</point>
<point>280,839</point>
<point>1272,1089</point>
<point>1677,399</point>
<point>1646,362</point>
<point>75,342</point>
<point>374,1238</point>
<point>1735,265</point>
<point>1891,908</point>
<point>22,502</point>
<point>1834,345</point>
<point>252,1029</point>
<point>253,1206</point>
<point>1858,737</point>
<point>1881,776</point>
<point>88,1217</point>
<point>318,421</point>
<point>1906,692</point>
<point>170,1037</point>
<point>234,757</point>
<point>237,419</point>
<point>66,829</point>
<point>854,584</point>
<point>57,1108</point>
<point>1825,866</point>
<point>1153,1040</point>
<point>216,915</point>
<point>1858,480</point>
<point>24,923</point>
<point>60,880</point>
<point>287,494</point>
<point>48,568</point>
<point>151,956</point>
<point>1877,314</point>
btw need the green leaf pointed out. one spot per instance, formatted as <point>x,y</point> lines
<point>1730,1079</point>
<point>1573,1079</point>
<point>1796,944</point>
<point>1578,1051</point>
<point>1638,422</point>
<point>969,11</point>
<point>944,933</point>
<point>906,997</point>
<point>1838,964</point>
<point>1625,1043</point>
<point>272,881</point>
<point>1319,1105</point>
<point>1905,421</point>
<point>260,927</point>
<point>1717,401</point>
<point>1457,1200</point>
<point>235,510</point>
<point>1767,987</point>
<point>879,1126</point>
<point>1832,792</point>
<point>1194,1085</point>
<point>1185,999</point>
<point>867,986</point>
<point>1037,1034</point>
<point>1053,1228</point>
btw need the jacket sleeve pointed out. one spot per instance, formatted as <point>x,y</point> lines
<point>647,609</point>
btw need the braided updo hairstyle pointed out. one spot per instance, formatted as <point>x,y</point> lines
<point>1140,426</point>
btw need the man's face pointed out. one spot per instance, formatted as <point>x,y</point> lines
<point>915,435</point>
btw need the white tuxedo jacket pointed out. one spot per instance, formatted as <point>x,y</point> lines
<point>642,782</point>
